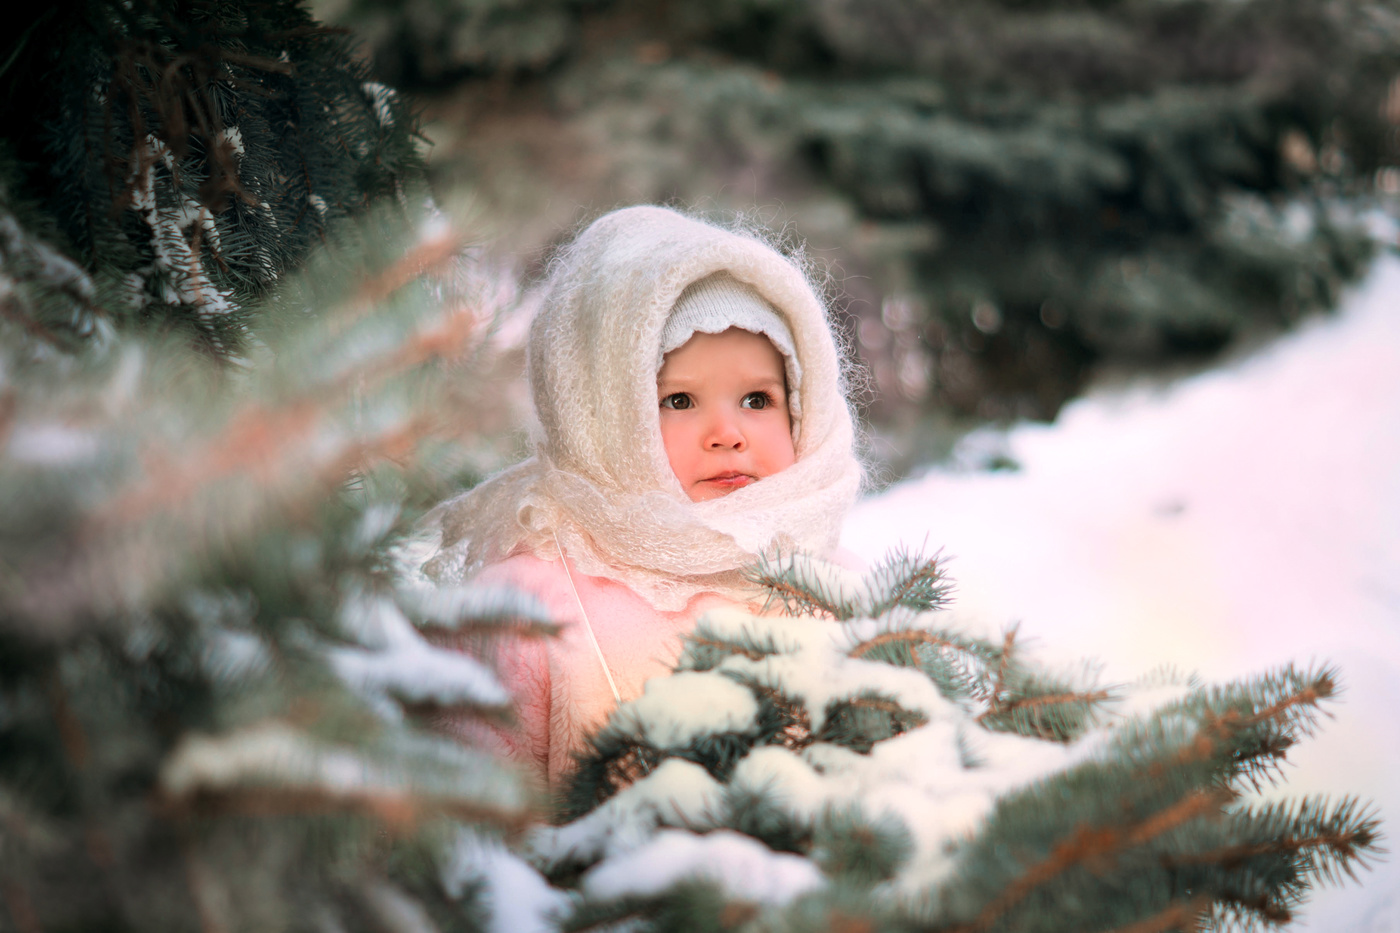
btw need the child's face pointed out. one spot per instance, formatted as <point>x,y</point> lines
<point>724,412</point>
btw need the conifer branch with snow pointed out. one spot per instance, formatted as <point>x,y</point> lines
<point>936,781</point>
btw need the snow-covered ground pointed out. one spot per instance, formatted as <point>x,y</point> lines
<point>1225,524</point>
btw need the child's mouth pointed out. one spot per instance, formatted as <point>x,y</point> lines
<point>729,481</point>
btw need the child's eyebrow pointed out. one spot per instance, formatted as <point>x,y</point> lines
<point>686,382</point>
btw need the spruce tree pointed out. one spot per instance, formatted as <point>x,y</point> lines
<point>186,155</point>
<point>217,691</point>
<point>851,764</point>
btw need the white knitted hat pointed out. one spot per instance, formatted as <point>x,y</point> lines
<point>718,302</point>
<point>600,487</point>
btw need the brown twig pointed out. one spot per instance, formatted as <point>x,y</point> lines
<point>998,682</point>
<point>1041,702</point>
<point>70,730</point>
<point>1308,696</point>
<point>1093,843</point>
<point>883,705</point>
<point>909,636</point>
<point>398,812</point>
<point>1217,729</point>
<point>792,595</point>
<point>1184,916</point>
<point>9,406</point>
<point>200,882</point>
<point>928,571</point>
<point>1231,855</point>
<point>426,256</point>
<point>21,906</point>
<point>256,438</point>
<point>725,646</point>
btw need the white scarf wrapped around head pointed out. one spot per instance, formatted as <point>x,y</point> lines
<point>600,478</point>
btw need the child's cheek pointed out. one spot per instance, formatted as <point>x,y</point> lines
<point>676,437</point>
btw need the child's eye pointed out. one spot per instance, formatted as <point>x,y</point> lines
<point>757,401</point>
<point>678,401</point>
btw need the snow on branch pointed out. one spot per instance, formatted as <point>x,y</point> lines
<point>454,608</point>
<point>950,776</point>
<point>272,767</point>
<point>743,867</point>
<point>399,663</point>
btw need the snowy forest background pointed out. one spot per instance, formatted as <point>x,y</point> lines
<point>1122,276</point>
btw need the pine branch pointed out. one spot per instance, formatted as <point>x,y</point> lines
<point>725,647</point>
<point>31,326</point>
<point>997,686</point>
<point>1343,843</point>
<point>1094,844</point>
<point>1296,706</point>
<point>1231,726</point>
<point>914,637</point>
<point>1032,712</point>
<point>1184,916</point>
<point>782,721</point>
<point>21,906</point>
<point>1330,843</point>
<point>402,813</point>
<point>794,599</point>
<point>427,257</point>
<point>875,703</point>
<point>910,580</point>
<point>795,581</point>
<point>200,882</point>
<point>861,721</point>
<point>1246,913</point>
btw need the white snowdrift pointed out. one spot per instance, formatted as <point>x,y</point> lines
<point>1228,523</point>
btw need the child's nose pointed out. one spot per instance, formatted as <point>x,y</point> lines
<point>724,433</point>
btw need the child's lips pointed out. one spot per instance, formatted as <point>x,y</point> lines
<point>729,480</point>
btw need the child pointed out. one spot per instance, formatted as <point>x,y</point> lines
<point>691,415</point>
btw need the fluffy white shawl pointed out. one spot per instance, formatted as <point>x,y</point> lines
<point>600,478</point>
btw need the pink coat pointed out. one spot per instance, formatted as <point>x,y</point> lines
<point>560,689</point>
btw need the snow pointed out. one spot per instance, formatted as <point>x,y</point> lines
<point>675,710</point>
<point>1224,524</point>
<point>49,265</point>
<point>376,522</point>
<point>744,867</point>
<point>188,280</point>
<point>818,672</point>
<point>273,756</point>
<point>516,897</point>
<point>918,778</point>
<point>677,793</point>
<point>382,99</point>
<point>478,605</point>
<point>260,754</point>
<point>234,137</point>
<point>398,662</point>
<point>231,657</point>
<point>770,633</point>
<point>50,445</point>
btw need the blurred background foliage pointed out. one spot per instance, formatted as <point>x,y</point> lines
<point>1012,194</point>
<point>187,155</point>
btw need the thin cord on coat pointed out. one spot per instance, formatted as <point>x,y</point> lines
<point>588,626</point>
